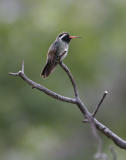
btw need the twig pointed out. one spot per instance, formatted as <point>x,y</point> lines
<point>106,131</point>
<point>65,68</point>
<point>22,68</point>
<point>99,104</point>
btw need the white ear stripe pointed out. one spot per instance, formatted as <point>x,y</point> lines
<point>62,36</point>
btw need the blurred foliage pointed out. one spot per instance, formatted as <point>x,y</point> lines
<point>34,126</point>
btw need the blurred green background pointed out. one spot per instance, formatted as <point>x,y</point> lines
<point>34,126</point>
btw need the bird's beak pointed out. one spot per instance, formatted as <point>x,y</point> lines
<point>74,37</point>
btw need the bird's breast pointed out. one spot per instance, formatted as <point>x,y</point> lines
<point>63,47</point>
<point>63,50</point>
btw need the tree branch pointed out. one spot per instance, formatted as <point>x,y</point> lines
<point>42,88</point>
<point>106,131</point>
<point>102,128</point>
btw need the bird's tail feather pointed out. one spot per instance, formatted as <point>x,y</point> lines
<point>49,67</point>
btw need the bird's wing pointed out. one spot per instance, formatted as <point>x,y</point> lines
<point>52,53</point>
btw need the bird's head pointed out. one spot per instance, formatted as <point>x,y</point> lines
<point>66,37</point>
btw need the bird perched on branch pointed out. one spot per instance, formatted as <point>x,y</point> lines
<point>57,52</point>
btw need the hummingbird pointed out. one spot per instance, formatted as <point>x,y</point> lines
<point>57,52</point>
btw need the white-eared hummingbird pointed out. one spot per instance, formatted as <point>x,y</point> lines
<point>57,52</point>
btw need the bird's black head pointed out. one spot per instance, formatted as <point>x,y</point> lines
<point>66,37</point>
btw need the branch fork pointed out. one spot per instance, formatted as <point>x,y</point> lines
<point>89,117</point>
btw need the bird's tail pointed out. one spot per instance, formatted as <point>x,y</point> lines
<point>49,67</point>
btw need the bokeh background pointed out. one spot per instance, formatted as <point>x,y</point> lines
<point>34,126</point>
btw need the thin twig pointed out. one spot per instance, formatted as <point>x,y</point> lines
<point>65,68</point>
<point>14,74</point>
<point>99,104</point>
<point>22,69</point>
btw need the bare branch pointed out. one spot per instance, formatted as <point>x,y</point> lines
<point>65,68</point>
<point>42,88</point>
<point>106,131</point>
<point>99,104</point>
<point>102,128</point>
<point>15,74</point>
